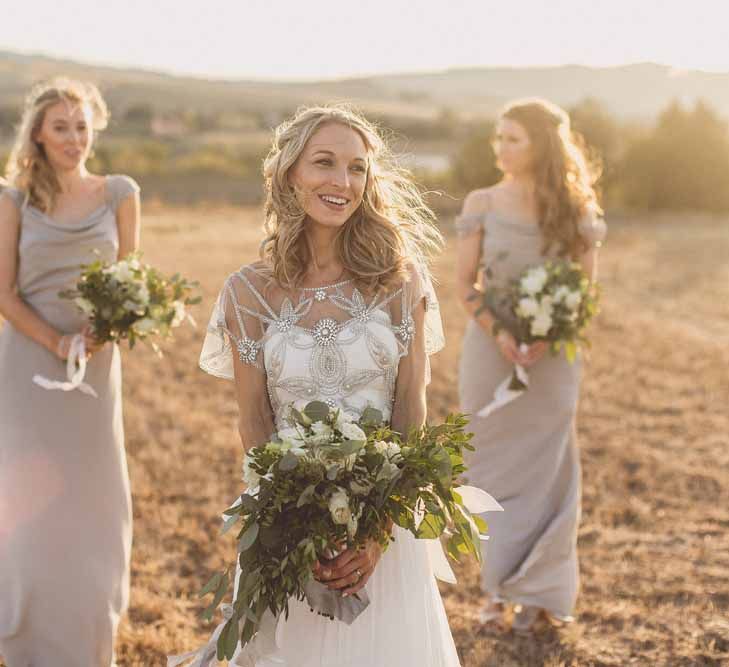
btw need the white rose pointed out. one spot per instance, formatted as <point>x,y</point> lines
<point>322,433</point>
<point>353,432</point>
<point>145,326</point>
<point>388,471</point>
<point>527,307</point>
<point>123,272</point>
<point>179,317</point>
<point>134,264</point>
<point>573,300</point>
<point>541,324</point>
<point>250,476</point>
<point>561,293</point>
<point>84,304</point>
<point>389,449</point>
<point>290,437</point>
<point>143,294</point>
<point>342,419</point>
<point>339,507</point>
<point>545,306</point>
<point>535,279</point>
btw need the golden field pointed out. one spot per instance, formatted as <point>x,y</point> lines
<point>654,436</point>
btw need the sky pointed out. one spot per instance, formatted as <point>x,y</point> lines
<point>320,39</point>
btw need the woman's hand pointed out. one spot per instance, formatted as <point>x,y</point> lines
<point>351,569</point>
<point>91,343</point>
<point>509,348</point>
<point>534,353</point>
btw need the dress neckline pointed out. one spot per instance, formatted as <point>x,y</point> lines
<point>77,224</point>
<point>319,288</point>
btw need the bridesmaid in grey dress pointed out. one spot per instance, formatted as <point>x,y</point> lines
<point>526,452</point>
<point>65,506</point>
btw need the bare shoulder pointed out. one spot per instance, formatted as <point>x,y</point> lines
<point>9,208</point>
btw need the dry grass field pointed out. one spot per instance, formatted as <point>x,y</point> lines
<point>654,435</point>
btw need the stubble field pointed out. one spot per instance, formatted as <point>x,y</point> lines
<point>654,436</point>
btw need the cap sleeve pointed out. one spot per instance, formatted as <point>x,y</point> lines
<point>118,188</point>
<point>592,229</point>
<point>468,224</point>
<point>237,325</point>
<point>17,197</point>
<point>418,289</point>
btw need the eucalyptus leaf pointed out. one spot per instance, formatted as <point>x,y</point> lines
<point>249,537</point>
<point>288,462</point>
<point>317,411</point>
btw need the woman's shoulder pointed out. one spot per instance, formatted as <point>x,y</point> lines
<point>119,187</point>
<point>476,207</point>
<point>13,195</point>
<point>592,226</point>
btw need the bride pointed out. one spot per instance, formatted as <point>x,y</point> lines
<point>339,309</point>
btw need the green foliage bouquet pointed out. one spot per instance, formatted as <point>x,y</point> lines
<point>130,300</point>
<point>328,481</point>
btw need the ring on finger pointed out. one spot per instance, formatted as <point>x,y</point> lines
<point>358,572</point>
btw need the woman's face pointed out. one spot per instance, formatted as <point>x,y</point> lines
<point>329,176</point>
<point>512,147</point>
<point>66,134</point>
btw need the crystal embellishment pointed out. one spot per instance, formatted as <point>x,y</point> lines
<point>248,350</point>
<point>325,331</point>
<point>406,330</point>
<point>320,294</point>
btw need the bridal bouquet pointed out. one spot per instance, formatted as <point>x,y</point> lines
<point>328,482</point>
<point>130,300</point>
<point>553,302</point>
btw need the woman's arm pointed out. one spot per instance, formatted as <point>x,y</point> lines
<point>470,293</point>
<point>128,221</point>
<point>255,415</point>
<point>12,307</point>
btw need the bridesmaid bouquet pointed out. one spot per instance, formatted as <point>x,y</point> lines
<point>553,302</point>
<point>326,482</point>
<point>123,300</point>
<point>130,300</point>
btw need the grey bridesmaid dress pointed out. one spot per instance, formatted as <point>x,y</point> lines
<point>525,452</point>
<point>65,505</point>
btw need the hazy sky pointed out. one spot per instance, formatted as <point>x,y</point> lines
<point>287,39</point>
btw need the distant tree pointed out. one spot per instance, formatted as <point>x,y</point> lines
<point>474,165</point>
<point>682,164</point>
<point>9,118</point>
<point>139,116</point>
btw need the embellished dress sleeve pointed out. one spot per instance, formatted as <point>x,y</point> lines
<point>592,229</point>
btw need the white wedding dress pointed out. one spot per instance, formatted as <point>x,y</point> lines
<point>335,345</point>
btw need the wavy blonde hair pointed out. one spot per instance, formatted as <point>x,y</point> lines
<point>564,178</point>
<point>28,168</point>
<point>391,230</point>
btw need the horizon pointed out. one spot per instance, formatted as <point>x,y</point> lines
<point>330,40</point>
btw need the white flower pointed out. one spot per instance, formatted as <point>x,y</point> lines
<point>123,272</point>
<point>339,507</point>
<point>134,264</point>
<point>561,293</point>
<point>290,437</point>
<point>298,451</point>
<point>84,304</point>
<point>545,306</point>
<point>527,307</point>
<point>134,307</point>
<point>535,279</point>
<point>250,476</point>
<point>573,300</point>
<point>144,326</point>
<point>322,433</point>
<point>179,317</point>
<point>388,471</point>
<point>389,449</point>
<point>541,324</point>
<point>143,294</point>
<point>342,419</point>
<point>353,432</point>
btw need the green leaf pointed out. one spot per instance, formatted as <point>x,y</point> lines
<point>229,638</point>
<point>212,584</point>
<point>306,495</point>
<point>248,538</point>
<point>317,411</point>
<point>431,527</point>
<point>288,462</point>
<point>229,523</point>
<point>371,417</point>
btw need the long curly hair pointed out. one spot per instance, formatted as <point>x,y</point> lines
<point>28,168</point>
<point>564,178</point>
<point>392,229</point>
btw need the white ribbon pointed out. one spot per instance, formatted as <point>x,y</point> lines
<point>504,394</point>
<point>207,655</point>
<point>476,501</point>
<point>75,370</point>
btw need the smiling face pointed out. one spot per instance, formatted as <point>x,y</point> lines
<point>65,134</point>
<point>330,175</point>
<point>514,153</point>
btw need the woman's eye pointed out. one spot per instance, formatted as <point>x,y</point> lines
<point>359,168</point>
<point>326,162</point>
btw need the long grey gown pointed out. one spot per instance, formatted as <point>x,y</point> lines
<point>65,506</point>
<point>526,452</point>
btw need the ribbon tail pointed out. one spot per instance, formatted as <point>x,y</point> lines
<point>506,393</point>
<point>439,562</point>
<point>75,371</point>
<point>477,501</point>
<point>205,656</point>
